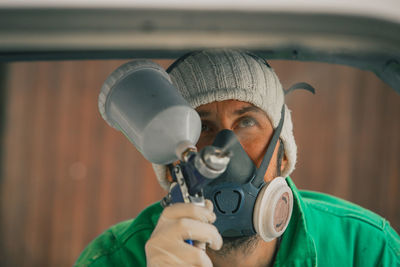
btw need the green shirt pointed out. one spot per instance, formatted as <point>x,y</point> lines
<point>323,231</point>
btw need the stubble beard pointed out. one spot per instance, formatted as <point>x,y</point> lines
<point>233,245</point>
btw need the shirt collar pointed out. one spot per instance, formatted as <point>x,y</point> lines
<point>297,247</point>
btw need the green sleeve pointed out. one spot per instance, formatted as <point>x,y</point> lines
<point>123,244</point>
<point>100,252</point>
<point>109,250</point>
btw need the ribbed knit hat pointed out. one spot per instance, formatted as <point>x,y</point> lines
<point>216,75</point>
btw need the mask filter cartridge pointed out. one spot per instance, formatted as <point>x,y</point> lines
<point>273,209</point>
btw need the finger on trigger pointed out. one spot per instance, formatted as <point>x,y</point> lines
<point>209,205</point>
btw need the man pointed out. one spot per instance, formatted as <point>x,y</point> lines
<point>238,91</point>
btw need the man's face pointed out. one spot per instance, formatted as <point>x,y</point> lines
<point>249,123</point>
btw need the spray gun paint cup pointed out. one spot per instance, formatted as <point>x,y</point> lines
<point>139,99</point>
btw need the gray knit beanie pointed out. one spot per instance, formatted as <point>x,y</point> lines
<point>217,75</point>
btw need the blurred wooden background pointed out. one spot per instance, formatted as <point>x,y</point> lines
<point>66,176</point>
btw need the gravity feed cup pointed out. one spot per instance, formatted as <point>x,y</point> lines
<point>139,100</point>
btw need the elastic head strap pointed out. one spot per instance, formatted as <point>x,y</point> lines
<point>302,85</point>
<point>259,178</point>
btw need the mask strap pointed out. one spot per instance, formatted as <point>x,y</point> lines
<point>258,180</point>
<point>281,153</point>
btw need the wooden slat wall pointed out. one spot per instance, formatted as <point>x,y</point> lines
<point>67,176</point>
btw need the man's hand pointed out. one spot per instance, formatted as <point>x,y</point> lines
<point>177,223</point>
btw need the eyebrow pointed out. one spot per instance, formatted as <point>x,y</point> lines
<point>204,113</point>
<point>247,109</point>
<point>236,112</point>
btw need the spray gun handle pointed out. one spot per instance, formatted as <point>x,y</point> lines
<point>194,172</point>
<point>185,194</point>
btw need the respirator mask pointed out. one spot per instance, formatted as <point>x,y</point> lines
<point>244,204</point>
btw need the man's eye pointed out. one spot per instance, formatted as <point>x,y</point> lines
<point>205,128</point>
<point>247,122</point>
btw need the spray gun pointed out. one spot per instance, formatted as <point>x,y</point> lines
<point>139,100</point>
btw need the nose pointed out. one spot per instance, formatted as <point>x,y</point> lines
<point>209,133</point>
